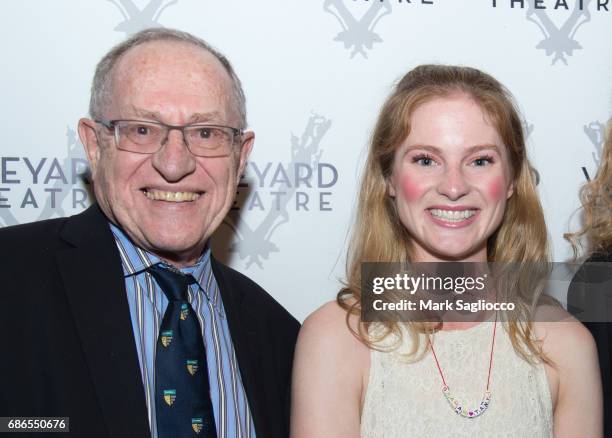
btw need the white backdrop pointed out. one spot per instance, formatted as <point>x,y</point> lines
<point>315,73</point>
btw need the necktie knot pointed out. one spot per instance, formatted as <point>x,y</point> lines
<point>173,283</point>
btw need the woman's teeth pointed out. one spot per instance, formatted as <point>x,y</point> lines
<point>452,216</point>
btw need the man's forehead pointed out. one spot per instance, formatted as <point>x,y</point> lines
<point>172,82</point>
<point>167,56</point>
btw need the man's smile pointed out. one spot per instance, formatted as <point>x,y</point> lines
<point>169,196</point>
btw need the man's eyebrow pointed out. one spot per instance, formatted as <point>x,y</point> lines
<point>146,113</point>
<point>212,116</point>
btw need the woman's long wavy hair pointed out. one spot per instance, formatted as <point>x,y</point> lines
<point>378,234</point>
<point>596,199</point>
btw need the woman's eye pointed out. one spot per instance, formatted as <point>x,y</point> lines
<point>424,160</point>
<point>142,130</point>
<point>483,161</point>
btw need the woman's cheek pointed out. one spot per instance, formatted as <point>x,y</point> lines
<point>495,188</point>
<point>412,188</point>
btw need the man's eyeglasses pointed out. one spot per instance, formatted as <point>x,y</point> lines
<point>149,137</point>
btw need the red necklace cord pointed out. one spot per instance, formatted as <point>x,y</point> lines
<point>437,364</point>
<point>490,356</point>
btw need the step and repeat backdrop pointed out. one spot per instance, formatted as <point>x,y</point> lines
<point>315,73</point>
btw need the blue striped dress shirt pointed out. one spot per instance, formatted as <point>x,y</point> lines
<point>147,306</point>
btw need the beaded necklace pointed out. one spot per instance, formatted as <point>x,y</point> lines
<point>455,404</point>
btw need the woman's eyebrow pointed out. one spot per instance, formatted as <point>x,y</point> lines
<point>481,147</point>
<point>426,147</point>
<point>471,149</point>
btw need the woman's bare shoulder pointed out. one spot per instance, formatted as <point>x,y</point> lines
<point>573,373</point>
<point>330,368</point>
<point>332,327</point>
<point>564,338</point>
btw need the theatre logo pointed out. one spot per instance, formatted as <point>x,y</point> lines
<point>136,19</point>
<point>559,21</point>
<point>358,18</point>
<point>271,193</point>
<point>596,132</point>
<point>37,188</point>
<point>357,34</point>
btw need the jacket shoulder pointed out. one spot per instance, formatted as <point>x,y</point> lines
<point>601,257</point>
<point>32,237</point>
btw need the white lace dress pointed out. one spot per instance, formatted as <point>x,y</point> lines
<point>405,399</point>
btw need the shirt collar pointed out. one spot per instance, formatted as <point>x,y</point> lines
<point>135,260</point>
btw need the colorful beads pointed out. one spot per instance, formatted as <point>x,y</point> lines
<point>465,412</point>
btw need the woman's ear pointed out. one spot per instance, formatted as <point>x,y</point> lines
<point>390,186</point>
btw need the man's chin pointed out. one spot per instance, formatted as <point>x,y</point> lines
<point>171,242</point>
<point>178,255</point>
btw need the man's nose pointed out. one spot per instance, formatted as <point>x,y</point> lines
<point>453,183</point>
<point>173,160</point>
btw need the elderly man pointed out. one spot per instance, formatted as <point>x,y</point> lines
<point>119,317</point>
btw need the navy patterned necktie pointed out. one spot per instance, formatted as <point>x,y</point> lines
<point>182,391</point>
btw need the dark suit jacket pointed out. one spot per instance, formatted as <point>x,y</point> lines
<point>67,342</point>
<point>590,299</point>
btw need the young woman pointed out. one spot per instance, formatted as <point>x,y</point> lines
<point>447,179</point>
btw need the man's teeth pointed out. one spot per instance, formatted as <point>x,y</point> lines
<point>159,195</point>
<point>452,216</point>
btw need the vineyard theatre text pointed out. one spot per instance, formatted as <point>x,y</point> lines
<point>296,186</point>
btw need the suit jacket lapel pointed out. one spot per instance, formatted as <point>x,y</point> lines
<point>245,338</point>
<point>95,288</point>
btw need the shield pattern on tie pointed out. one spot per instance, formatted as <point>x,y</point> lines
<point>184,312</point>
<point>170,396</point>
<point>197,424</point>
<point>166,338</point>
<point>192,366</point>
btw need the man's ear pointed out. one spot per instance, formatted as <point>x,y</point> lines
<point>248,138</point>
<point>89,139</point>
